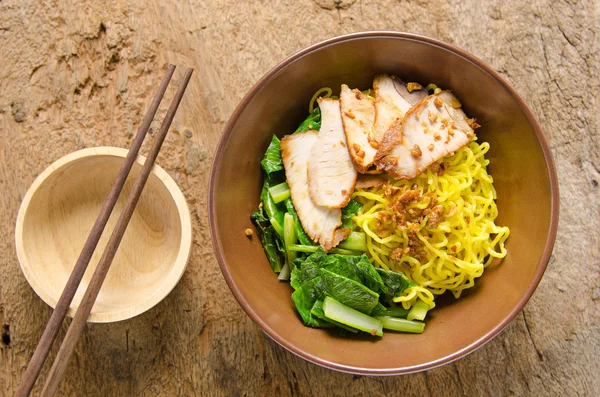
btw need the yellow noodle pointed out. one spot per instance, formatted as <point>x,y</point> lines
<point>467,195</point>
<point>318,94</point>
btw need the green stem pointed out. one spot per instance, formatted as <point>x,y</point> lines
<point>341,313</point>
<point>289,238</point>
<point>284,274</point>
<point>317,311</point>
<point>313,248</point>
<point>356,241</point>
<point>278,228</point>
<point>280,192</point>
<point>396,312</point>
<point>269,205</point>
<point>402,325</point>
<point>418,311</point>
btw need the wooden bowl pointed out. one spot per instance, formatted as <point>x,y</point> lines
<point>521,164</point>
<point>58,212</point>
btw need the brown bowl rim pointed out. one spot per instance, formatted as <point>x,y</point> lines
<point>541,267</point>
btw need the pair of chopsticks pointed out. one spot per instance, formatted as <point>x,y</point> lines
<point>85,307</point>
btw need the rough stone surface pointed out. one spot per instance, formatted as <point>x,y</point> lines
<point>80,74</point>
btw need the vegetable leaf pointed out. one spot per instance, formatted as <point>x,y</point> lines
<point>350,280</point>
<point>307,269</point>
<point>394,282</point>
<point>348,292</point>
<point>348,212</point>
<point>369,275</point>
<point>259,217</point>
<point>312,122</point>
<point>305,298</point>
<point>272,161</point>
<point>269,239</point>
<point>342,265</point>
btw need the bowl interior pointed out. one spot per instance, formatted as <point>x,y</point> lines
<point>518,164</point>
<point>60,215</point>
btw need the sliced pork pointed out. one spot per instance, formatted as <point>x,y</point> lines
<point>392,101</point>
<point>331,173</point>
<point>367,181</point>
<point>389,105</point>
<point>320,223</point>
<point>431,130</point>
<point>358,116</point>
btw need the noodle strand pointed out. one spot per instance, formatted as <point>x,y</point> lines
<point>459,247</point>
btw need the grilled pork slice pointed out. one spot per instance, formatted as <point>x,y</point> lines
<point>358,116</point>
<point>392,101</point>
<point>367,181</point>
<point>432,129</point>
<point>331,174</point>
<point>320,223</point>
<point>413,96</point>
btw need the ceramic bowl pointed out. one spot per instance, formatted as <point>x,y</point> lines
<point>57,214</point>
<point>521,164</point>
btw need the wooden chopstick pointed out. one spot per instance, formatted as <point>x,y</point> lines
<point>62,306</point>
<point>85,307</point>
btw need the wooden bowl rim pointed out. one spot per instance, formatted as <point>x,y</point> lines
<point>217,163</point>
<point>167,284</point>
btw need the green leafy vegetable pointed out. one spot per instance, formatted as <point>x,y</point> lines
<point>280,245</point>
<point>317,311</point>
<point>337,276</point>
<point>343,266</point>
<point>307,269</point>
<point>278,228</point>
<point>348,212</point>
<point>349,292</point>
<point>271,208</point>
<point>289,237</point>
<point>378,310</point>
<point>302,236</point>
<point>402,325</point>
<point>312,122</point>
<point>309,249</point>
<point>356,241</point>
<point>418,311</point>
<point>369,275</point>
<point>305,297</point>
<point>341,274</point>
<point>280,192</point>
<point>394,283</point>
<point>396,312</point>
<point>272,161</point>
<point>284,274</point>
<point>268,239</point>
<point>339,312</point>
<point>310,267</point>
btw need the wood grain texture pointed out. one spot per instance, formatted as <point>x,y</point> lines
<point>80,265</point>
<point>80,74</point>
<point>84,309</point>
<point>62,207</point>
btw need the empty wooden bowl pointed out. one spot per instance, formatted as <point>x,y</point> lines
<point>57,215</point>
<point>521,165</point>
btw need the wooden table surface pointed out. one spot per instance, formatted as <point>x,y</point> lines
<point>77,74</point>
